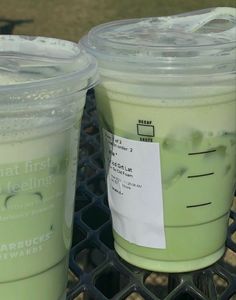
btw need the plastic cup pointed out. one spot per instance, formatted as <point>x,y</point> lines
<point>167,111</point>
<point>43,83</point>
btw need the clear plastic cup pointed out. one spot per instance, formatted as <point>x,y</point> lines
<point>43,84</point>
<point>167,110</point>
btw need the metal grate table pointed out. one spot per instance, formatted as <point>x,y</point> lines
<point>97,272</point>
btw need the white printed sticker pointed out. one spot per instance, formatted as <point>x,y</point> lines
<point>135,190</point>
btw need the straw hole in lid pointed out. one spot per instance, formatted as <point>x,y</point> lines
<point>216,26</point>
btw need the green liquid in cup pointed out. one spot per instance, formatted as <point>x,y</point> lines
<point>43,83</point>
<point>37,185</point>
<point>197,140</point>
<point>169,80</point>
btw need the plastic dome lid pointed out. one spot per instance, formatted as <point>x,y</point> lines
<point>34,62</point>
<point>200,42</point>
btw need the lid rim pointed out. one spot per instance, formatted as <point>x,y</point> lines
<point>168,41</point>
<point>88,72</point>
<point>94,32</point>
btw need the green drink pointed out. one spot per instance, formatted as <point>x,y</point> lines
<point>42,98</point>
<point>167,107</point>
<point>189,155</point>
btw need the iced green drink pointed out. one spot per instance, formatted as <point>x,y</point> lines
<point>193,162</point>
<point>42,93</point>
<point>167,112</point>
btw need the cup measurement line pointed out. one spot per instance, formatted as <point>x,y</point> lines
<point>201,175</point>
<point>202,152</point>
<point>198,205</point>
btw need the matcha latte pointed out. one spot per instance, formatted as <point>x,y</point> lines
<point>167,107</point>
<point>43,83</point>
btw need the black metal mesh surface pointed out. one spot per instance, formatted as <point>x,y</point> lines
<point>97,272</point>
